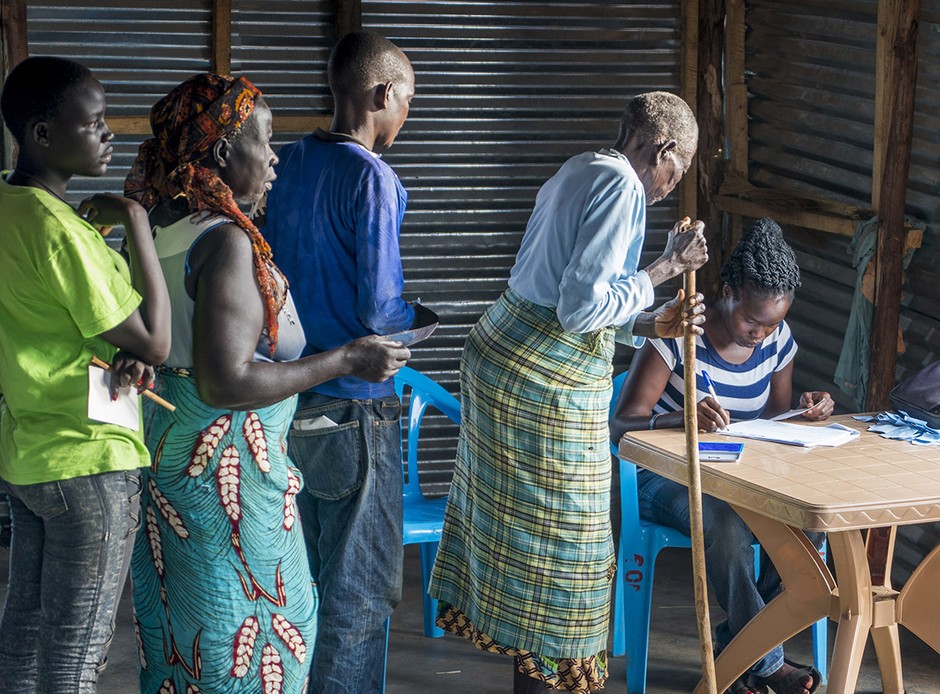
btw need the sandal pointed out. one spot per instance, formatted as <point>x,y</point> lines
<point>792,680</point>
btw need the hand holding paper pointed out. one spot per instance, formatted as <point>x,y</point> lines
<point>819,405</point>
<point>123,410</point>
<point>95,361</point>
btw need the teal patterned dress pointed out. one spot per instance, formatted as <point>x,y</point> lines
<point>223,598</point>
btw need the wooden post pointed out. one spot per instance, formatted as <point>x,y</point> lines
<point>696,529</point>
<point>902,71</point>
<point>709,114</point>
<point>688,87</point>
<point>222,37</point>
<point>14,48</point>
<point>348,17</point>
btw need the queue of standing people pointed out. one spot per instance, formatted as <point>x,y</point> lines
<point>262,519</point>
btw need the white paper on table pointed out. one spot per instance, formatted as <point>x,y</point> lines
<point>793,434</point>
<point>125,411</point>
<point>791,413</point>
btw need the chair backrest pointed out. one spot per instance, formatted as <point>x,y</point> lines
<point>424,392</point>
<point>629,502</point>
<point>619,380</point>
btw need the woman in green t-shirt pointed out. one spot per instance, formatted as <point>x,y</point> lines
<point>65,297</point>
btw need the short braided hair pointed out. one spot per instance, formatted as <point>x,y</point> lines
<point>36,88</point>
<point>762,262</point>
<point>362,59</point>
<point>657,117</point>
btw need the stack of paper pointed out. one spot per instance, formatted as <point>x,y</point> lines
<point>902,426</point>
<point>793,434</point>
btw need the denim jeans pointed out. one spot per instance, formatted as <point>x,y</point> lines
<point>351,514</point>
<point>729,557</point>
<point>69,555</point>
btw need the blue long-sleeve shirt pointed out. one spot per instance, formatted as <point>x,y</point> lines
<point>333,221</point>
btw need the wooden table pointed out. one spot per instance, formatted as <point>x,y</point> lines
<point>868,484</point>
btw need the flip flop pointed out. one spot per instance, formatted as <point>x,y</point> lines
<point>792,680</point>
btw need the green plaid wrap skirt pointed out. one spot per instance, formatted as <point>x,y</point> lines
<point>527,554</point>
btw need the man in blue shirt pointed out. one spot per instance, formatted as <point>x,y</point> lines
<point>333,221</point>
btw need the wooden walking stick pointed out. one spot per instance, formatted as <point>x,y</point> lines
<point>695,499</point>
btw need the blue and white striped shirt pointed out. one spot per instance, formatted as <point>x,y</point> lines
<point>743,389</point>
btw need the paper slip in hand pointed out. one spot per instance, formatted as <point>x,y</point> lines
<point>125,411</point>
<point>792,434</point>
<point>321,422</point>
<point>425,323</point>
<point>791,413</point>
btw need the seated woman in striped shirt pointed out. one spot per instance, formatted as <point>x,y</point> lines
<point>748,351</point>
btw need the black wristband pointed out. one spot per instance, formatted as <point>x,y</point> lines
<point>653,419</point>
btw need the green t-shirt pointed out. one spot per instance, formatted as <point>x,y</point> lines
<point>61,286</point>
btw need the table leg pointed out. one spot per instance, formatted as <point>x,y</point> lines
<point>879,548</point>
<point>855,610</point>
<point>918,606</point>
<point>806,596</point>
<point>888,651</point>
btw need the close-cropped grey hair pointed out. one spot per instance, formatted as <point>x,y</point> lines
<point>658,117</point>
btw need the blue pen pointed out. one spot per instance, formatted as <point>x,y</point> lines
<point>711,386</point>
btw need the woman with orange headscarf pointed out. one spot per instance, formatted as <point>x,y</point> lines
<point>222,591</point>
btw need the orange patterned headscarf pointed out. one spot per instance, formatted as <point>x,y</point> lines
<point>186,123</point>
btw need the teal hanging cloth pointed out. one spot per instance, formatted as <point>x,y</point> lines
<point>854,361</point>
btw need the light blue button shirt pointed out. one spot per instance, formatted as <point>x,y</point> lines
<point>582,246</point>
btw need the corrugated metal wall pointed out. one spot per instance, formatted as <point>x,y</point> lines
<point>920,313</point>
<point>811,76</point>
<point>139,49</point>
<point>506,91</point>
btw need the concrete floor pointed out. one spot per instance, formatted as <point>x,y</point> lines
<point>418,664</point>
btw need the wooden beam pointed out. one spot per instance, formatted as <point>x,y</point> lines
<point>739,197</point>
<point>787,211</point>
<point>140,125</point>
<point>14,35</point>
<point>348,17</point>
<point>688,88</point>
<point>221,37</point>
<point>902,83</point>
<point>14,49</point>
<point>709,114</point>
<point>884,96</point>
<point>129,125</point>
<point>301,124</point>
<point>736,86</point>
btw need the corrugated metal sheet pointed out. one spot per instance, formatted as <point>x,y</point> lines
<point>811,75</point>
<point>283,46</point>
<point>811,79</point>
<point>505,92</point>
<point>920,314</point>
<point>138,49</point>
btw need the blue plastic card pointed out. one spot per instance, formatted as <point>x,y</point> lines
<point>719,451</point>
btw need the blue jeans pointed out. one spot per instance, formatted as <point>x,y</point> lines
<point>351,514</point>
<point>729,557</point>
<point>69,555</point>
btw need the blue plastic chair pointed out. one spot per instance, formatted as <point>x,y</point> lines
<point>640,543</point>
<point>422,518</point>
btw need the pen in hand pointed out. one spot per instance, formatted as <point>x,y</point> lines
<point>711,391</point>
<point>147,394</point>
